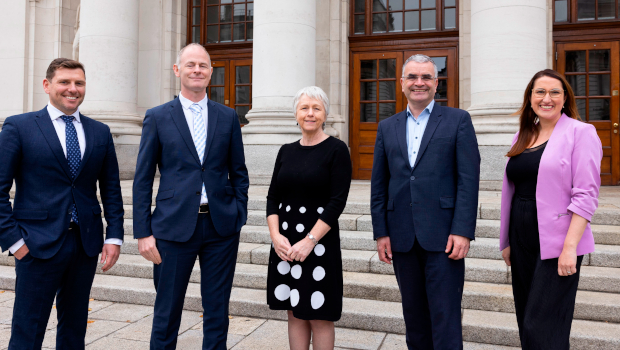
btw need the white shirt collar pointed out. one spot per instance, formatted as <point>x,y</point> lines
<point>187,103</point>
<point>55,113</point>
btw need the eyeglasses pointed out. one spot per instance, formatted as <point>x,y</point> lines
<point>541,93</point>
<point>425,77</point>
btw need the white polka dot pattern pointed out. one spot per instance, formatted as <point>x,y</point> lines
<point>74,155</point>
<point>294,297</point>
<point>284,225</point>
<point>302,210</point>
<point>280,207</point>
<point>299,228</point>
<point>296,272</point>
<point>319,250</point>
<point>288,208</point>
<point>282,292</point>
<point>317,299</point>
<point>320,210</point>
<point>284,267</point>
<point>318,273</point>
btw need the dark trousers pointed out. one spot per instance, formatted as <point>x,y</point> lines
<point>431,286</point>
<point>68,276</point>
<point>217,256</point>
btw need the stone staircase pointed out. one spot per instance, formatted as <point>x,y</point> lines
<point>371,296</point>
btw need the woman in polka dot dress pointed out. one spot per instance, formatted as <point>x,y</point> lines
<point>308,192</point>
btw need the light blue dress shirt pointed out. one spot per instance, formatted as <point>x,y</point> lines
<point>189,117</point>
<point>415,131</point>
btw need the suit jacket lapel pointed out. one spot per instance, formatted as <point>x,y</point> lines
<point>433,121</point>
<point>89,136</point>
<point>176,111</point>
<point>211,122</point>
<point>49,132</point>
<point>401,135</point>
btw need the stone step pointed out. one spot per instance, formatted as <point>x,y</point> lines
<point>604,215</point>
<point>482,327</point>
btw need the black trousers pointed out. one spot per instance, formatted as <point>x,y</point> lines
<point>431,286</point>
<point>217,256</point>
<point>68,276</point>
<point>544,300</point>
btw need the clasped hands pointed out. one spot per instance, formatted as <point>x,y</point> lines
<point>297,252</point>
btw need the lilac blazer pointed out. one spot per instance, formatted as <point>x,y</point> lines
<point>568,182</point>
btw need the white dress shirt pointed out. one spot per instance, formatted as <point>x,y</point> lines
<point>189,117</point>
<point>59,125</point>
<point>415,131</point>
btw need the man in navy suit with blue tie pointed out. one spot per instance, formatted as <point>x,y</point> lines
<point>56,156</point>
<point>424,200</point>
<point>201,203</point>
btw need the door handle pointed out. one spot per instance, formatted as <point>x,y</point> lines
<point>615,125</point>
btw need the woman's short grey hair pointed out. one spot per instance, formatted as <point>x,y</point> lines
<point>313,92</point>
<point>420,59</point>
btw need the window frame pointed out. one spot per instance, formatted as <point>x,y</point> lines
<point>572,15</point>
<point>368,15</point>
<point>203,27</point>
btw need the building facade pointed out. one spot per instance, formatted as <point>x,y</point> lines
<point>264,51</point>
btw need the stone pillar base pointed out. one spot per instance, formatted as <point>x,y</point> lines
<point>126,147</point>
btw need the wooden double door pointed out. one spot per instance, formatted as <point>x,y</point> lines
<point>593,71</point>
<point>231,85</point>
<point>376,94</point>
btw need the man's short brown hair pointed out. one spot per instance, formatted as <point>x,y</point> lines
<point>62,63</point>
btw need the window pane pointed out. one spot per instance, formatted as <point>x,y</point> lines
<point>250,12</point>
<point>396,21</point>
<point>442,89</point>
<point>368,112</point>
<point>241,112</point>
<point>581,107</point>
<point>225,34</point>
<point>217,94</point>
<point>239,14</point>
<point>360,5</point>
<point>242,94</point>
<point>225,1</point>
<point>396,5</point>
<point>578,83</point>
<point>218,76</point>
<point>412,21</point>
<point>387,69</point>
<point>238,0</point>
<point>239,31</point>
<point>412,4</point>
<point>441,103</point>
<point>440,62</point>
<point>368,91</point>
<point>369,69</point>
<point>213,15</point>
<point>600,85</point>
<point>212,2</point>
<point>426,4</point>
<point>226,13</point>
<point>379,5</point>
<point>195,34</point>
<point>378,23</point>
<point>575,61</point>
<point>585,10</point>
<point>212,34</point>
<point>196,17</point>
<point>450,20</point>
<point>242,75</point>
<point>360,24</point>
<point>448,3</point>
<point>249,31</point>
<point>196,2</point>
<point>561,11</point>
<point>599,60</point>
<point>599,109</point>
<point>386,110</point>
<point>606,9</point>
<point>387,90</point>
<point>428,20</point>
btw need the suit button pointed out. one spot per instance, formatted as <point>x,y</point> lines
<point>73,186</point>
<point>203,169</point>
<point>412,178</point>
<point>411,205</point>
<point>198,193</point>
<point>69,211</point>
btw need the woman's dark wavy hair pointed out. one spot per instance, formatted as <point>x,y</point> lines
<point>529,129</point>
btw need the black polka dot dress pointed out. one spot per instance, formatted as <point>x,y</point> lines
<point>309,183</point>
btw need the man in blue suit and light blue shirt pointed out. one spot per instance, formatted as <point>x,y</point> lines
<point>424,200</point>
<point>56,157</point>
<point>201,203</point>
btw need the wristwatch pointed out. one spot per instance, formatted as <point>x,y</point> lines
<point>312,238</point>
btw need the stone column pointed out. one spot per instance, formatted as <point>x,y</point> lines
<point>14,25</point>
<point>284,58</point>
<point>508,46</point>
<point>109,51</point>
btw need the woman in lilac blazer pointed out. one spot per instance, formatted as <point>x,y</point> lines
<point>550,192</point>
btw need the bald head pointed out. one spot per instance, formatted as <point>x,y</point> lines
<point>191,47</point>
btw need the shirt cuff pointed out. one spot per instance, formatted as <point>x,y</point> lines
<point>15,247</point>
<point>114,241</point>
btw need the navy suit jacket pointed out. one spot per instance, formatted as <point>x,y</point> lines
<point>167,144</point>
<point>31,154</point>
<point>439,195</point>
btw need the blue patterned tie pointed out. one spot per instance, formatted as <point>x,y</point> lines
<point>200,135</point>
<point>74,155</point>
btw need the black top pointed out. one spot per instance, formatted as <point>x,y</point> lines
<point>522,170</point>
